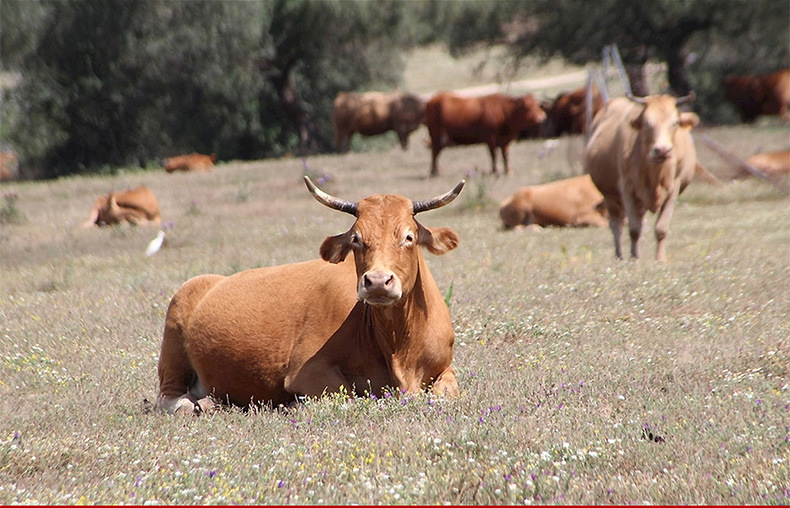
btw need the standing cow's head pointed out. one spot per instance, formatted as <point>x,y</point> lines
<point>658,122</point>
<point>385,239</point>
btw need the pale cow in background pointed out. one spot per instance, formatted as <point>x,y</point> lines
<point>569,202</point>
<point>641,156</point>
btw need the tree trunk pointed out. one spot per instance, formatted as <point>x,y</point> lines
<point>636,76</point>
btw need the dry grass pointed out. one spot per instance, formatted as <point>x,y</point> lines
<point>584,379</point>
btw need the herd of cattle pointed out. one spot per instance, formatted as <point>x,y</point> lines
<point>383,322</point>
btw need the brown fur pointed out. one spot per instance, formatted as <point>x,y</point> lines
<point>191,162</point>
<point>567,113</point>
<point>135,206</point>
<point>771,163</point>
<point>374,113</point>
<point>767,94</point>
<point>619,162</point>
<point>9,166</point>
<point>366,316</point>
<point>570,202</point>
<point>494,119</point>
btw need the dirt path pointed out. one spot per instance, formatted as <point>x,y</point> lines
<point>569,80</point>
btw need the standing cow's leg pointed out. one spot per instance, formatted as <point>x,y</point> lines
<point>436,147</point>
<point>636,219</point>
<point>342,140</point>
<point>403,137</point>
<point>616,225</point>
<point>492,151</point>
<point>662,224</point>
<point>504,159</point>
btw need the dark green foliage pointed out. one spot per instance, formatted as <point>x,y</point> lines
<point>700,40</point>
<point>111,83</point>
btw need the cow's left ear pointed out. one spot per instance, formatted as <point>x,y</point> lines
<point>437,240</point>
<point>689,120</point>
<point>335,248</point>
<point>636,123</point>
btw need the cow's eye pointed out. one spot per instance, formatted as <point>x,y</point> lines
<point>408,239</point>
<point>356,241</point>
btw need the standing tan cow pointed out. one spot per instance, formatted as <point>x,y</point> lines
<point>641,156</point>
<point>374,113</point>
<point>569,202</point>
<point>190,162</point>
<point>494,119</point>
<point>366,316</point>
<point>134,206</point>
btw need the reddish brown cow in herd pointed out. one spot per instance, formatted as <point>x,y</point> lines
<point>373,113</point>
<point>567,113</point>
<point>366,316</point>
<point>755,95</point>
<point>494,119</point>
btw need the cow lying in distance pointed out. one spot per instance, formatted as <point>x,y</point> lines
<point>9,166</point>
<point>495,120</point>
<point>374,113</point>
<point>191,162</point>
<point>767,94</point>
<point>135,206</point>
<point>641,156</point>
<point>570,202</point>
<point>772,164</point>
<point>366,316</point>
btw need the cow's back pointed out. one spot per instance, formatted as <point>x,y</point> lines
<point>140,198</point>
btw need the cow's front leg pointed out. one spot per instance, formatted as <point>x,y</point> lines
<point>662,223</point>
<point>636,218</point>
<point>317,380</point>
<point>504,159</point>
<point>492,151</point>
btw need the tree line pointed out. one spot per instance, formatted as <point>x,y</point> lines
<point>112,83</point>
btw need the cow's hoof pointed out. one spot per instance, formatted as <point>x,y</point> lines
<point>184,407</point>
<point>205,405</point>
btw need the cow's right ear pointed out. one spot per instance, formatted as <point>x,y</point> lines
<point>689,120</point>
<point>335,248</point>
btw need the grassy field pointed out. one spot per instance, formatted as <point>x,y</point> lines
<point>584,379</point>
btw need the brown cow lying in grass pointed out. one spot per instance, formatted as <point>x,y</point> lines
<point>772,164</point>
<point>191,162</point>
<point>135,206</point>
<point>570,202</point>
<point>366,316</point>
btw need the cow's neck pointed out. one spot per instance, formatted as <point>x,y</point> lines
<point>398,332</point>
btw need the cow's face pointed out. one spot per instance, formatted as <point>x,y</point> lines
<point>533,112</point>
<point>657,125</point>
<point>386,241</point>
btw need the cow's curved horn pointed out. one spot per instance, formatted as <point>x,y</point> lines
<point>438,201</point>
<point>638,100</point>
<point>687,99</point>
<point>330,201</point>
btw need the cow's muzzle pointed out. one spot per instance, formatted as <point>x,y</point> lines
<point>660,154</point>
<point>379,287</point>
